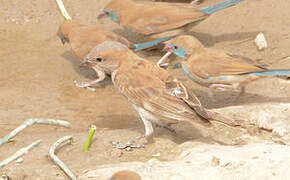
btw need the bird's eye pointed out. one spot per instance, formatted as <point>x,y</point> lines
<point>99,59</point>
<point>107,13</point>
<point>175,47</point>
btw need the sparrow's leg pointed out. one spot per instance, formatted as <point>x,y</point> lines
<point>138,142</point>
<point>165,126</point>
<point>221,87</point>
<point>241,91</point>
<point>196,2</point>
<point>148,137</point>
<point>101,76</point>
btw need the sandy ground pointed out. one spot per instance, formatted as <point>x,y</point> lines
<point>37,73</point>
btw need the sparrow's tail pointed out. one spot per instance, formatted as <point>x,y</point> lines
<point>220,6</point>
<point>150,44</point>
<point>63,10</point>
<point>274,72</point>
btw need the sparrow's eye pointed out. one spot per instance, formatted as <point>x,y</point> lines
<point>175,47</point>
<point>99,59</point>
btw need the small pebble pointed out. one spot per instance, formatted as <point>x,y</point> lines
<point>261,42</point>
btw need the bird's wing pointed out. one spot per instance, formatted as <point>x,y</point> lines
<point>152,88</point>
<point>156,17</point>
<point>213,63</point>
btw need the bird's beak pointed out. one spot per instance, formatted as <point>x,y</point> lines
<point>102,14</point>
<point>85,61</point>
<point>167,48</point>
<point>63,40</point>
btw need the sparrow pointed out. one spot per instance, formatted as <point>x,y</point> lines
<point>158,97</point>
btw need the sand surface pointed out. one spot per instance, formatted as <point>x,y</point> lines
<point>37,73</point>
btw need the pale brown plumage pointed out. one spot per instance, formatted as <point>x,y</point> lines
<point>153,18</point>
<point>157,96</point>
<point>204,64</point>
<point>83,38</point>
<point>207,62</point>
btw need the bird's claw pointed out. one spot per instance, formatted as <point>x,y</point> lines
<point>84,85</point>
<point>127,146</point>
<point>164,65</point>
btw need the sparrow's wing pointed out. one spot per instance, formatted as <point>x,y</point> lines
<point>152,88</point>
<point>212,63</point>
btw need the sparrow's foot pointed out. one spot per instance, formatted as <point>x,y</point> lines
<point>241,91</point>
<point>129,146</point>
<point>137,142</point>
<point>85,85</point>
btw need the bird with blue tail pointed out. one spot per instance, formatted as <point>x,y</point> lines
<point>83,39</point>
<point>154,20</point>
<point>216,69</point>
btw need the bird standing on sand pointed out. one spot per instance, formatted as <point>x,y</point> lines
<point>214,68</point>
<point>83,38</point>
<point>159,19</point>
<point>158,97</point>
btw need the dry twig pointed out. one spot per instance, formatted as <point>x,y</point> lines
<point>19,153</point>
<point>57,161</point>
<point>30,122</point>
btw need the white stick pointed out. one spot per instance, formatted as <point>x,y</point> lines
<point>19,153</point>
<point>57,161</point>
<point>160,62</point>
<point>30,122</point>
<point>63,10</point>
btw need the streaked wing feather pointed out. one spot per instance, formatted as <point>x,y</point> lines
<point>146,88</point>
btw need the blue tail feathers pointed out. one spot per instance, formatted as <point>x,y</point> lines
<point>149,44</point>
<point>220,6</point>
<point>274,72</point>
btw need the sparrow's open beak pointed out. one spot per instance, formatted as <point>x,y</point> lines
<point>102,14</point>
<point>85,61</point>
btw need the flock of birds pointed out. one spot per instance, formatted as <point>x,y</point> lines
<point>158,97</point>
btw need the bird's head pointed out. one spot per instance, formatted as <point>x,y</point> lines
<point>176,49</point>
<point>65,29</point>
<point>183,46</point>
<point>62,35</point>
<point>113,15</point>
<point>107,55</point>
